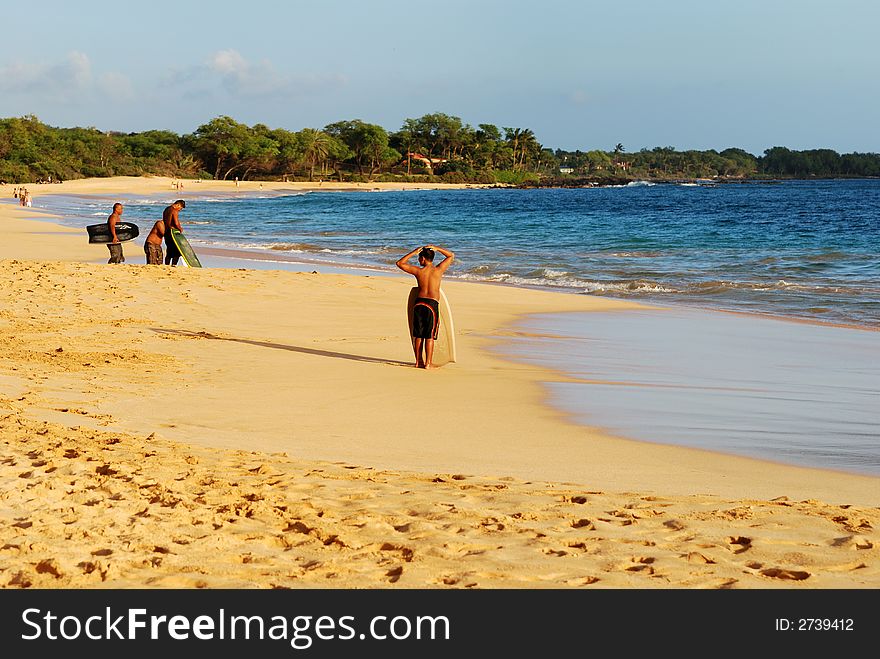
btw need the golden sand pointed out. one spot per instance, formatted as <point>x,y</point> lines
<point>249,428</point>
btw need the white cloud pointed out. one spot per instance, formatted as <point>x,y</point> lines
<point>228,62</point>
<point>229,73</point>
<point>241,78</point>
<point>69,80</point>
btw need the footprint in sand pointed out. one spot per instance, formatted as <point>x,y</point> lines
<point>739,544</point>
<point>578,545</point>
<point>49,566</point>
<point>674,524</point>
<point>643,564</point>
<point>782,573</point>
<point>853,525</point>
<point>405,552</point>
<point>585,524</point>
<point>21,580</point>
<point>698,558</point>
<point>852,542</point>
<point>394,574</point>
<point>492,524</point>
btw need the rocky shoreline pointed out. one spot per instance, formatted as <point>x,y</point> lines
<point>617,181</point>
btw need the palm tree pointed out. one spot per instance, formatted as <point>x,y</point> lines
<point>409,131</point>
<point>529,145</point>
<point>315,148</point>
<point>618,149</point>
<point>513,135</point>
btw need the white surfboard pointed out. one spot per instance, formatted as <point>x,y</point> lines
<point>444,346</point>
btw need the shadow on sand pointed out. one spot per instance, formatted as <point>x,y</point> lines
<point>282,346</point>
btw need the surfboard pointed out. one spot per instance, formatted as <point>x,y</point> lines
<point>444,346</point>
<point>186,251</point>
<point>100,233</point>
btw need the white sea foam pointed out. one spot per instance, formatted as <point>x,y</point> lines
<point>553,274</point>
<point>634,255</point>
<point>625,287</point>
<point>294,248</point>
<point>351,252</point>
<point>569,282</point>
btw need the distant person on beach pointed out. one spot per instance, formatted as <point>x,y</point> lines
<point>426,312</point>
<point>153,243</point>
<point>114,245</point>
<point>172,221</point>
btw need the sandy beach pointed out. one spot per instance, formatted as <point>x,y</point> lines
<point>265,428</point>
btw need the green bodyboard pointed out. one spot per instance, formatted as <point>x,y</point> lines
<point>186,250</point>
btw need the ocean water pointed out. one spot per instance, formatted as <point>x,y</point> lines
<point>747,384</point>
<point>807,249</point>
<point>795,393</point>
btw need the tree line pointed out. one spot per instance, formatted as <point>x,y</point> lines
<point>665,163</point>
<point>434,147</point>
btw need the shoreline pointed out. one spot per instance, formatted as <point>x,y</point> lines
<point>312,366</point>
<point>302,259</point>
<point>734,384</point>
<point>163,184</point>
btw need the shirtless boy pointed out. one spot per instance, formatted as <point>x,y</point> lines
<point>426,312</point>
<point>153,243</point>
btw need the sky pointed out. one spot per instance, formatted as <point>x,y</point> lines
<point>581,74</point>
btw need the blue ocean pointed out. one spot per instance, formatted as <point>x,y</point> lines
<point>803,249</point>
<point>791,250</point>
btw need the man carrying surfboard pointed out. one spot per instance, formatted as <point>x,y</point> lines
<point>172,221</point>
<point>426,310</point>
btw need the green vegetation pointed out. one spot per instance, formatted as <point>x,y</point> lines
<point>435,147</point>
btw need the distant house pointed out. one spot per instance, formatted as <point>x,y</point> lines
<point>425,161</point>
<point>565,169</point>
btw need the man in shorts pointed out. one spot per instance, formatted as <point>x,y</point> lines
<point>153,243</point>
<point>426,312</point>
<point>115,246</point>
<point>172,221</point>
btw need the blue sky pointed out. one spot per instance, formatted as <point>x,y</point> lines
<point>753,74</point>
